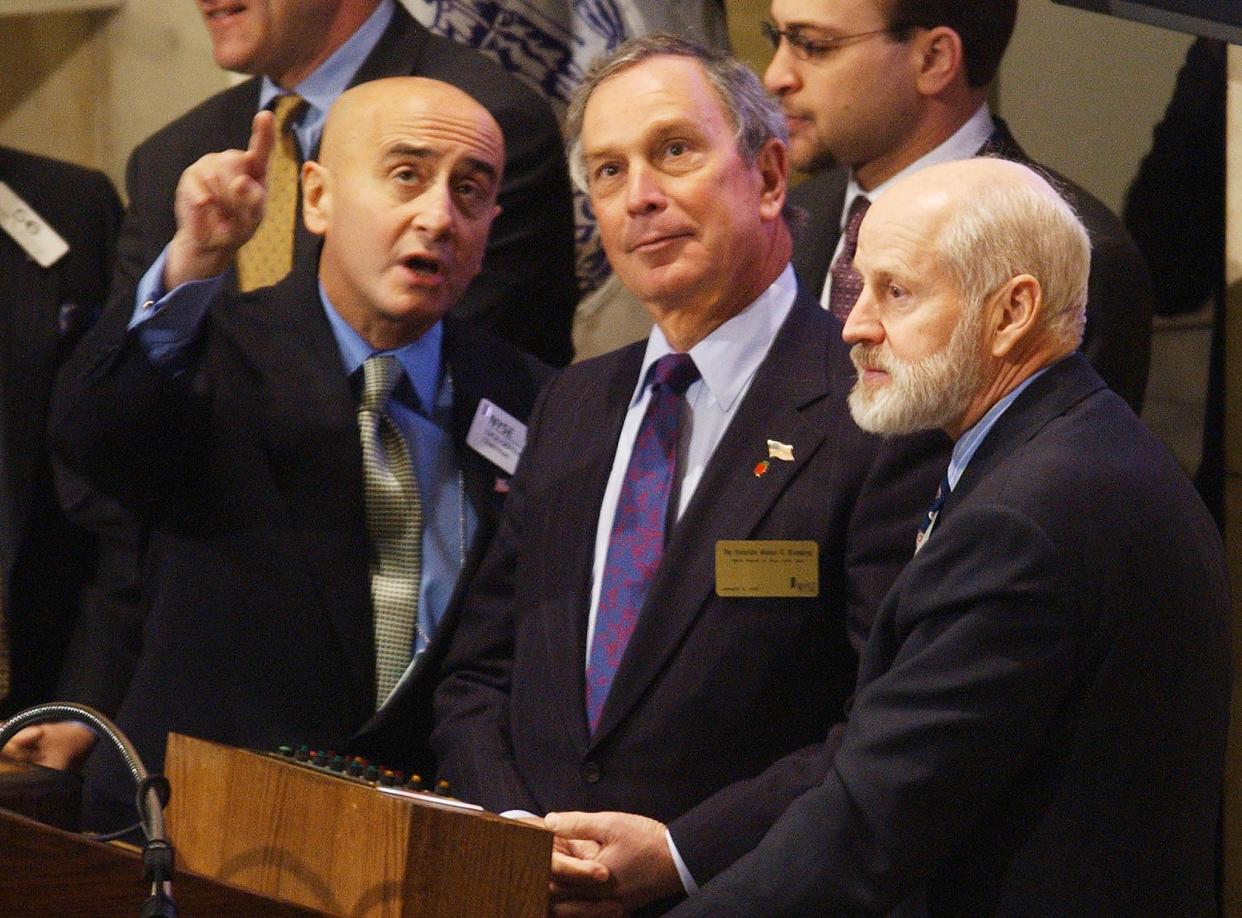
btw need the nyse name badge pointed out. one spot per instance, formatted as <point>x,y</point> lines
<point>497,435</point>
<point>775,568</point>
<point>29,230</point>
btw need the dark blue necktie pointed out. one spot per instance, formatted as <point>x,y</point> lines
<point>929,518</point>
<point>637,540</point>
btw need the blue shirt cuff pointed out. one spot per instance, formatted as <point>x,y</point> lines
<point>165,324</point>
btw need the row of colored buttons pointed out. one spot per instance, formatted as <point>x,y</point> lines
<point>355,766</point>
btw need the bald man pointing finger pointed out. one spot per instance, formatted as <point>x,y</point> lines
<point>303,452</point>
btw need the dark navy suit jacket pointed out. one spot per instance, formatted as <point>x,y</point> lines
<point>1040,721</point>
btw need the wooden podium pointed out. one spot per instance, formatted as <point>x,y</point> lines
<point>49,873</point>
<point>343,847</point>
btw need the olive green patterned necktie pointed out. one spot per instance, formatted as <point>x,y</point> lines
<point>394,522</point>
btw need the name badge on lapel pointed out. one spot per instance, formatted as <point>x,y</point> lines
<point>497,435</point>
<point>767,568</point>
<point>29,230</point>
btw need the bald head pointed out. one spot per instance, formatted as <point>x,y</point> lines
<point>403,194</point>
<point>975,277</point>
<point>989,220</point>
<point>432,105</point>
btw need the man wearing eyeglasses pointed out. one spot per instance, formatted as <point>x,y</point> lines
<point>877,89</point>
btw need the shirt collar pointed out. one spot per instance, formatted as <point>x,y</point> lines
<point>963,144</point>
<point>420,359</point>
<point>968,443</point>
<point>332,77</point>
<point>730,355</point>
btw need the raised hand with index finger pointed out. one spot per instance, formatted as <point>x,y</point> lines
<point>219,204</point>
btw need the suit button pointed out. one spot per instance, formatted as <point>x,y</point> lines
<point>591,772</point>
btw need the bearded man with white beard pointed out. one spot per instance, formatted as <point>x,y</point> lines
<point>1040,717</point>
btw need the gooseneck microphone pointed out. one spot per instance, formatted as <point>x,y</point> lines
<point>152,794</point>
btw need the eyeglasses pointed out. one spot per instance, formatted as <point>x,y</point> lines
<point>805,48</point>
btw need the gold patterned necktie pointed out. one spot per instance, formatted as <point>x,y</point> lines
<point>394,522</point>
<point>268,255</point>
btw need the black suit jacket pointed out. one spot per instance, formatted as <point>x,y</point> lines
<point>248,469</point>
<point>526,292</point>
<point>44,561</point>
<point>1040,721</point>
<point>717,715</point>
<point>1117,339</point>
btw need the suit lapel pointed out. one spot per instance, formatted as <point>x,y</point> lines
<point>823,197</point>
<point>307,414</point>
<point>474,380</point>
<point>1064,384</point>
<point>1002,143</point>
<point>398,52</point>
<point>787,401</point>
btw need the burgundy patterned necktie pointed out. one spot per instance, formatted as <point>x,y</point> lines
<point>637,540</point>
<point>847,283</point>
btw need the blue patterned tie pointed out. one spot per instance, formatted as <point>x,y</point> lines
<point>929,518</point>
<point>637,539</point>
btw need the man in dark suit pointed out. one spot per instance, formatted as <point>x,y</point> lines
<point>231,427</point>
<point>49,295</point>
<point>525,293</point>
<point>689,676</point>
<point>1041,713</point>
<point>875,89</point>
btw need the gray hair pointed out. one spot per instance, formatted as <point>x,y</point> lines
<point>1018,228</point>
<point>756,116</point>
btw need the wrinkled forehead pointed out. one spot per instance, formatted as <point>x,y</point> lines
<point>664,89</point>
<point>433,117</point>
<point>903,226</point>
<point>456,134</point>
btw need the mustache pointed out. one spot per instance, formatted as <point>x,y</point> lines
<point>868,357</point>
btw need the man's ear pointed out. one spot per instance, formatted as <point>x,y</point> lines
<point>772,163</point>
<point>316,197</point>
<point>1015,314</point>
<point>939,60</point>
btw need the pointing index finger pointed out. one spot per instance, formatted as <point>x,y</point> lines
<point>262,139</point>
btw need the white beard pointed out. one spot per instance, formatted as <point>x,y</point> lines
<point>933,392</point>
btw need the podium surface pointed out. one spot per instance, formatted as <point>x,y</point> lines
<point>343,847</point>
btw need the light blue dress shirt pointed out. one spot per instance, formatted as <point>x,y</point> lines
<point>319,89</point>
<point>968,443</point>
<point>449,520</point>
